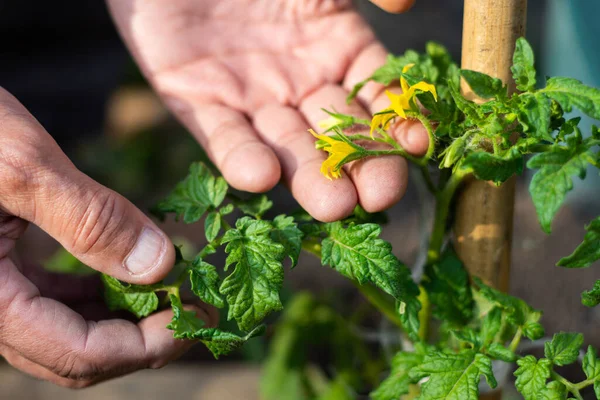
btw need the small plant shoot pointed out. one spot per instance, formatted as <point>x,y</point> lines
<point>452,327</point>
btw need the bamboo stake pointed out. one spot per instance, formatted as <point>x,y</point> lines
<point>484,213</point>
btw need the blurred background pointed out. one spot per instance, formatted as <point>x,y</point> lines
<point>65,62</point>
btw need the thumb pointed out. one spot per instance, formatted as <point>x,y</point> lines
<point>101,228</point>
<point>394,6</point>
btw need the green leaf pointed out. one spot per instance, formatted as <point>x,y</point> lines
<point>397,383</point>
<point>564,348</point>
<point>534,115</point>
<point>484,85</point>
<point>517,312</point>
<point>63,262</point>
<point>184,323</point>
<point>255,206</point>
<point>221,343</point>
<point>455,151</point>
<point>553,391</point>
<point>252,289</point>
<point>550,185</point>
<point>467,335</point>
<point>205,282</point>
<point>137,299</point>
<point>591,365</point>
<point>212,226</point>
<point>192,197</point>
<point>588,251</point>
<point>499,352</point>
<point>491,325</point>
<point>469,108</point>
<point>447,285</point>
<point>591,298</point>
<point>409,316</point>
<point>453,376</point>
<point>390,71</point>
<point>569,93</point>
<point>523,66</point>
<point>358,253</point>
<point>488,167</point>
<point>286,233</point>
<point>532,375</point>
<point>533,330</point>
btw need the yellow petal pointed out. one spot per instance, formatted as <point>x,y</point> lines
<point>425,87</point>
<point>397,102</point>
<point>403,83</point>
<point>407,67</point>
<point>381,119</point>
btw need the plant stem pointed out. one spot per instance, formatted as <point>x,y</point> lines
<point>442,209</point>
<point>381,301</point>
<point>373,295</point>
<point>570,386</point>
<point>425,121</point>
<point>514,344</point>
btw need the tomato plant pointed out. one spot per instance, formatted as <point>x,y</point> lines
<point>453,327</point>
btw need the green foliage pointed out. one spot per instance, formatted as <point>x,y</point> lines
<point>192,197</point>
<point>476,325</point>
<point>564,348</point>
<point>252,289</point>
<point>553,181</point>
<point>591,298</point>
<point>484,85</point>
<point>570,93</point>
<point>447,284</point>
<point>489,167</point>
<point>398,382</point>
<point>531,376</point>
<point>591,368</point>
<point>358,253</point>
<point>588,251</point>
<point>139,300</point>
<point>204,280</point>
<point>453,376</point>
<point>523,66</point>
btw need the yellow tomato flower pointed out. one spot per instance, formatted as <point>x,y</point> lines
<point>401,102</point>
<point>383,119</point>
<point>338,150</point>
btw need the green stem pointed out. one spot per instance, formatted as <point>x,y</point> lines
<point>570,386</point>
<point>365,137</point>
<point>381,301</point>
<point>514,344</point>
<point>425,121</point>
<point>442,210</point>
<point>374,296</point>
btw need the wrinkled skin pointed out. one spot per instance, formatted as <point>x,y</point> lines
<point>247,78</point>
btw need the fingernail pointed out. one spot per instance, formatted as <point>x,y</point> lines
<point>147,252</point>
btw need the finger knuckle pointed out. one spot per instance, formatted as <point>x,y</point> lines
<point>20,164</point>
<point>99,223</point>
<point>76,367</point>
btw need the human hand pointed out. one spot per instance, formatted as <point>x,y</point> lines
<point>40,335</point>
<point>248,78</point>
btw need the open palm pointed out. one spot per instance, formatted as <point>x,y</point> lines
<point>249,77</point>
